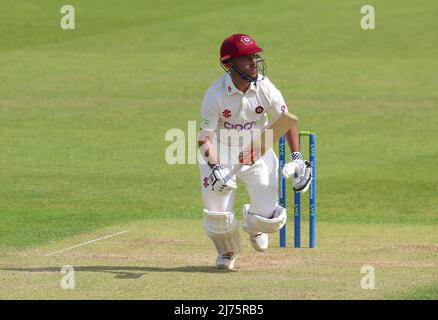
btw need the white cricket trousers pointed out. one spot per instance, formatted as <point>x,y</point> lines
<point>260,180</point>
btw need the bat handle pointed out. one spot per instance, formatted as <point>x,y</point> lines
<point>233,171</point>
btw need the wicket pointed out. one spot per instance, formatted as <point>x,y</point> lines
<point>297,195</point>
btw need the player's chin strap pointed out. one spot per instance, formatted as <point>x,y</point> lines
<point>245,76</point>
<point>260,70</point>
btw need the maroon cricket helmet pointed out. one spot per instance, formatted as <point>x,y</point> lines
<point>238,45</point>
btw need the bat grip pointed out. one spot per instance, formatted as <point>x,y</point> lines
<point>233,171</point>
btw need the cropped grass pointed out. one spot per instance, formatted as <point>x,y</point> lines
<point>84,112</point>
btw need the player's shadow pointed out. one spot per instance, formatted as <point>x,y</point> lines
<point>124,272</point>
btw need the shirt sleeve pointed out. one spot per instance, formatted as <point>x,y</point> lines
<point>277,104</point>
<point>209,112</point>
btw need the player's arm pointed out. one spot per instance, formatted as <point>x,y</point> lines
<point>206,147</point>
<point>209,124</point>
<point>298,168</point>
<point>292,139</point>
<point>218,179</point>
<point>276,107</point>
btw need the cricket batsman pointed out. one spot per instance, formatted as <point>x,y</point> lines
<point>236,104</point>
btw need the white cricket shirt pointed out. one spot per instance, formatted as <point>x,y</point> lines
<point>226,107</point>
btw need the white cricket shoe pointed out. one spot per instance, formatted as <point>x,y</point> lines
<point>259,241</point>
<point>226,261</point>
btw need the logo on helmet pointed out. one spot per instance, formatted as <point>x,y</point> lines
<point>246,40</point>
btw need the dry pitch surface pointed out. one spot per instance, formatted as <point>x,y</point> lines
<point>173,259</point>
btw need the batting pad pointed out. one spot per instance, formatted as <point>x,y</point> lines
<point>223,229</point>
<point>254,223</point>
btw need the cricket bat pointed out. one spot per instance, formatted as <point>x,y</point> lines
<point>267,137</point>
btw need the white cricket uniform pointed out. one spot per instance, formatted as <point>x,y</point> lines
<point>227,108</point>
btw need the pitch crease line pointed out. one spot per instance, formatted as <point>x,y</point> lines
<point>85,243</point>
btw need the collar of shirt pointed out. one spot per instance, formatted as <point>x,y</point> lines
<point>231,88</point>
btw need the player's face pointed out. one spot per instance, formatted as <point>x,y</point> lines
<point>247,64</point>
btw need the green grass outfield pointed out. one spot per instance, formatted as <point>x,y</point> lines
<point>83,115</point>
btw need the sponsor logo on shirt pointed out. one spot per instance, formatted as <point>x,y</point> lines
<point>226,113</point>
<point>259,109</point>
<point>238,126</point>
